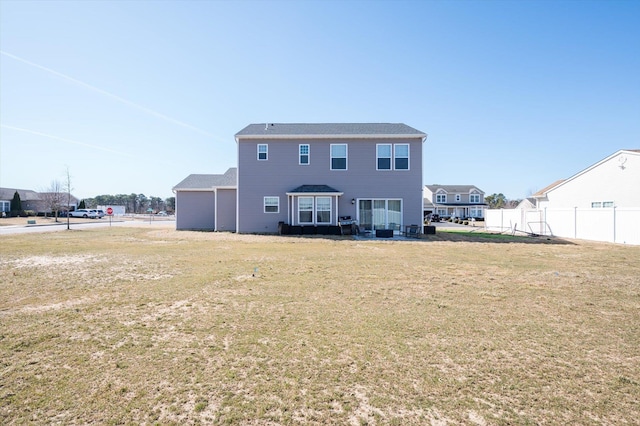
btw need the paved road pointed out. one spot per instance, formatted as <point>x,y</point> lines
<point>62,226</point>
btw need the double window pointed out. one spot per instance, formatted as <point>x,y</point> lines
<point>263,151</point>
<point>314,210</point>
<point>475,212</point>
<point>600,204</point>
<point>441,198</point>
<point>474,198</point>
<point>384,152</point>
<point>339,156</point>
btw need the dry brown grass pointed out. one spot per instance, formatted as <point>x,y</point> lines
<point>142,326</point>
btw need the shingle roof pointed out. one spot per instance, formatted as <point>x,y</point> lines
<point>267,130</point>
<point>208,182</point>
<point>544,190</point>
<point>25,194</point>
<point>461,189</point>
<point>313,189</point>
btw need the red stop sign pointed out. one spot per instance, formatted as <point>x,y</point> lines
<point>109,211</point>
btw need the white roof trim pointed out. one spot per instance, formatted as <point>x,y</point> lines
<point>211,189</point>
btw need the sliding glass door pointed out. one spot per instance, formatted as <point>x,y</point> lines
<point>380,214</point>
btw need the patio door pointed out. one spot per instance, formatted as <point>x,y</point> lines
<point>380,214</point>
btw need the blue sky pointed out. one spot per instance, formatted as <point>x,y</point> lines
<point>133,96</point>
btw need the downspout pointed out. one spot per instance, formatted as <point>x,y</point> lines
<point>238,186</point>
<point>215,210</point>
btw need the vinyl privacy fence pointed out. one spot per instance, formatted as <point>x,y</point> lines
<point>615,224</point>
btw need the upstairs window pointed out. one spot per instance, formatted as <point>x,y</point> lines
<point>271,204</point>
<point>596,205</point>
<point>474,198</point>
<point>607,204</point>
<point>441,198</point>
<point>401,156</point>
<point>339,157</point>
<point>263,150</point>
<point>458,198</point>
<point>383,155</point>
<point>304,154</point>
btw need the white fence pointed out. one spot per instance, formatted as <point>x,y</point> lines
<point>615,225</point>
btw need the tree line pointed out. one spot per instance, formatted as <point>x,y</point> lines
<point>133,203</point>
<point>499,201</point>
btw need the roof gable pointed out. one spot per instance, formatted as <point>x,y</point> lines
<point>543,192</point>
<point>456,189</point>
<point>208,182</point>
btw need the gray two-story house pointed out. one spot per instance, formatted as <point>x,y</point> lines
<point>314,174</point>
<point>462,201</point>
<point>311,175</point>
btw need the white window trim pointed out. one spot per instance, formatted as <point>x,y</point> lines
<point>390,156</point>
<point>315,211</point>
<point>408,157</point>
<point>443,200</point>
<point>458,198</point>
<point>346,156</point>
<point>308,154</point>
<point>474,198</point>
<point>266,152</point>
<point>264,204</point>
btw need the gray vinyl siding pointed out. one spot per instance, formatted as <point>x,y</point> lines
<point>282,173</point>
<point>195,210</point>
<point>226,211</point>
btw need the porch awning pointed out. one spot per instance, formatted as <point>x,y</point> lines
<point>315,189</point>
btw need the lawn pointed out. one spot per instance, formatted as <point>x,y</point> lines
<point>145,326</point>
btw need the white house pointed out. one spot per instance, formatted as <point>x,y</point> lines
<point>600,203</point>
<point>613,181</point>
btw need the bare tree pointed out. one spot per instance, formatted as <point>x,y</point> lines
<point>68,189</point>
<point>54,198</point>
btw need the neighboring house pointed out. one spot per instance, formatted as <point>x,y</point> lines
<point>313,174</point>
<point>613,181</point>
<point>600,203</point>
<point>207,202</point>
<point>461,201</point>
<point>37,202</point>
<point>310,175</point>
<point>527,204</point>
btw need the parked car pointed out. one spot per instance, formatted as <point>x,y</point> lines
<point>99,214</point>
<point>86,213</point>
